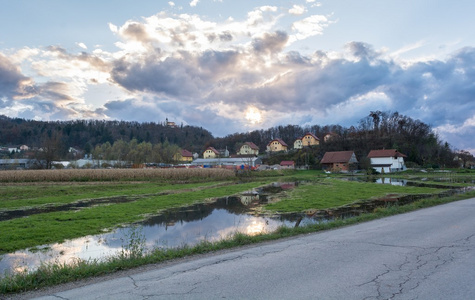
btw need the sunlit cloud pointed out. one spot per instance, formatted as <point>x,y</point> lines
<point>82,45</point>
<point>297,10</point>
<point>310,26</point>
<point>234,73</point>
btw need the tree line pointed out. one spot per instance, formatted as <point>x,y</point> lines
<point>158,142</point>
<point>135,152</point>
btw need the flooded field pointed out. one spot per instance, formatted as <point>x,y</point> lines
<point>214,220</point>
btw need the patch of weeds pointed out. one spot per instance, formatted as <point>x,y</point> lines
<point>133,245</point>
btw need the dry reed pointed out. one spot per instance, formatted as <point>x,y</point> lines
<point>112,174</point>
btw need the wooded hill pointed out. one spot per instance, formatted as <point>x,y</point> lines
<point>379,130</point>
<point>87,134</point>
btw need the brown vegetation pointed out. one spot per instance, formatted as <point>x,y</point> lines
<point>113,174</point>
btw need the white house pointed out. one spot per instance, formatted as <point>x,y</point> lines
<point>298,143</point>
<point>387,161</point>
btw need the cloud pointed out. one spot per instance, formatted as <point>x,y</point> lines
<point>209,74</point>
<point>310,26</point>
<point>270,42</point>
<point>194,3</point>
<point>82,45</point>
<point>13,83</point>
<point>297,10</point>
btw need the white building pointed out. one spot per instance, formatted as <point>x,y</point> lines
<point>387,161</point>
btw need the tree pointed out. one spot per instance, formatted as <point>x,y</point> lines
<point>51,149</point>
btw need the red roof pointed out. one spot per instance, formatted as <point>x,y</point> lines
<point>385,153</point>
<point>212,149</point>
<point>186,153</point>
<point>337,157</point>
<point>287,163</point>
<point>280,141</point>
<point>313,135</point>
<point>252,145</point>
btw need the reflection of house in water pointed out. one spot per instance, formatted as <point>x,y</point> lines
<point>287,185</point>
<point>392,181</point>
<point>248,198</point>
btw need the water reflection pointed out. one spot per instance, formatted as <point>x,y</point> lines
<point>175,227</point>
<point>391,181</point>
<point>189,225</point>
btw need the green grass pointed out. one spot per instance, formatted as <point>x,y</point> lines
<point>329,193</point>
<point>53,227</point>
<point>53,274</point>
<point>21,196</point>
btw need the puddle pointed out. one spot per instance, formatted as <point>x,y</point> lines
<point>191,224</point>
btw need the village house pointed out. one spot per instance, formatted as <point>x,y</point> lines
<point>387,161</point>
<point>223,152</point>
<point>287,164</point>
<point>248,148</point>
<point>183,156</point>
<point>210,152</point>
<point>276,145</point>
<point>339,161</point>
<point>298,143</point>
<point>310,139</point>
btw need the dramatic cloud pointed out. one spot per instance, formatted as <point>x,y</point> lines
<point>12,82</point>
<point>238,75</point>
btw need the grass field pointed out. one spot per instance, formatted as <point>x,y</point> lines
<point>330,193</point>
<point>148,196</point>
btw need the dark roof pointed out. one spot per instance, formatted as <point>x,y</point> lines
<point>385,153</point>
<point>336,157</point>
<point>280,141</point>
<point>242,155</point>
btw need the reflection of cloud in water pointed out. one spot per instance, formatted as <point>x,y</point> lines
<point>174,228</point>
<point>90,247</point>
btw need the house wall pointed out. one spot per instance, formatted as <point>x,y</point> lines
<point>209,154</point>
<point>288,167</point>
<point>245,150</point>
<point>298,144</point>
<point>275,146</point>
<point>179,157</point>
<point>309,140</point>
<point>336,166</point>
<point>395,164</point>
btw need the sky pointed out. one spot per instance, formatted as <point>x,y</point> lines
<point>236,66</point>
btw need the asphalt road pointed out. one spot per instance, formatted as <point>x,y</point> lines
<point>426,254</point>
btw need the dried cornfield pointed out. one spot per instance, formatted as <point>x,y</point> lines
<point>112,174</point>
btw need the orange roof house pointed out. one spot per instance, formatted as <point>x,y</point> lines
<point>276,145</point>
<point>210,152</point>
<point>310,139</point>
<point>287,164</point>
<point>248,148</point>
<point>183,156</point>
